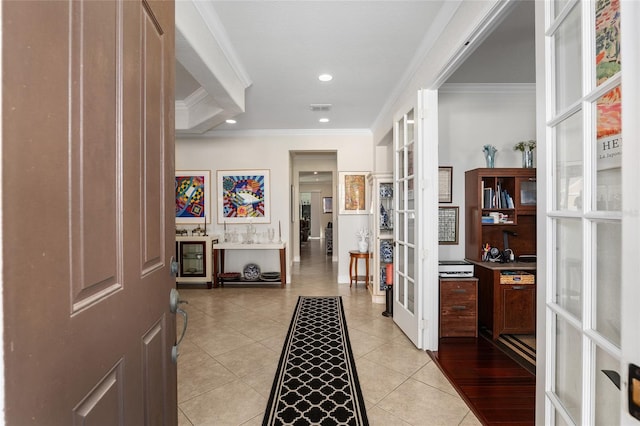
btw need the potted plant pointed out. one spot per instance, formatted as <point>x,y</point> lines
<point>526,147</point>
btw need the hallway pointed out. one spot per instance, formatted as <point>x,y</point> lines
<point>234,339</point>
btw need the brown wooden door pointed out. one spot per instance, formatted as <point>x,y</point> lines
<point>87,184</point>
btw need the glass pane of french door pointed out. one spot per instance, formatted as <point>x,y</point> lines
<point>584,251</point>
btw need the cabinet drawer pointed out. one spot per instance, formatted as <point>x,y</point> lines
<point>457,292</point>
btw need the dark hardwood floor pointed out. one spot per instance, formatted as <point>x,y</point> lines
<point>499,390</point>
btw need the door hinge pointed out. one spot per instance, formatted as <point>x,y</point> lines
<point>424,324</point>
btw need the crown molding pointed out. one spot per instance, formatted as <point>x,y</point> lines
<point>213,22</point>
<point>488,88</point>
<point>279,132</point>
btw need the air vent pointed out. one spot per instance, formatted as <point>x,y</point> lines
<point>320,107</point>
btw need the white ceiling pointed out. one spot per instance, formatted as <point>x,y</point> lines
<point>280,47</point>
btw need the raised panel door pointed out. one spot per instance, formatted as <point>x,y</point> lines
<point>86,304</point>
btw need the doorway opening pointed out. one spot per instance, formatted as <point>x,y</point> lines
<point>313,189</point>
<point>316,213</point>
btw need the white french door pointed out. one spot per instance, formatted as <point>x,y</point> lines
<point>587,182</point>
<point>416,222</point>
<point>405,286</point>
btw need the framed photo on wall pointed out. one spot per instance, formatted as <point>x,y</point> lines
<point>445,184</point>
<point>327,205</point>
<point>193,195</point>
<point>352,189</point>
<point>448,225</point>
<point>243,196</point>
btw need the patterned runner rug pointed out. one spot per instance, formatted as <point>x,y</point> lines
<point>316,381</point>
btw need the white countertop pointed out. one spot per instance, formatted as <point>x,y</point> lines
<point>256,246</point>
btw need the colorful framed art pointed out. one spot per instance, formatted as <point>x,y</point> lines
<point>243,196</point>
<point>193,195</point>
<point>352,192</point>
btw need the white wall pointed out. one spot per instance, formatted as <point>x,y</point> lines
<point>471,116</point>
<point>269,151</point>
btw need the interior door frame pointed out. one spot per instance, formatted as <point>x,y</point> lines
<point>428,228</point>
<point>630,16</point>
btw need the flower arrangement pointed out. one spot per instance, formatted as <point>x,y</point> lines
<point>529,145</point>
<point>363,234</point>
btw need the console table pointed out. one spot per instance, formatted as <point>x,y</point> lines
<point>219,256</point>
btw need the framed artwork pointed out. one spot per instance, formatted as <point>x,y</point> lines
<point>327,205</point>
<point>445,184</point>
<point>352,192</point>
<point>193,196</point>
<point>292,199</point>
<point>243,196</point>
<point>448,225</point>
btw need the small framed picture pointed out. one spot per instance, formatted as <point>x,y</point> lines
<point>448,225</point>
<point>445,184</point>
<point>327,205</point>
<point>352,192</point>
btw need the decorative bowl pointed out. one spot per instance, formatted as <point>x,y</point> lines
<point>251,272</point>
<point>386,191</point>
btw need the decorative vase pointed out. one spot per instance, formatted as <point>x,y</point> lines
<point>527,159</point>
<point>490,155</point>
<point>386,251</point>
<point>363,246</point>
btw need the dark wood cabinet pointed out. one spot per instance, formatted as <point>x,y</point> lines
<point>505,308</point>
<point>508,192</point>
<point>518,308</point>
<point>458,307</point>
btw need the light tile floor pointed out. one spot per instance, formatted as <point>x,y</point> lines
<point>231,350</point>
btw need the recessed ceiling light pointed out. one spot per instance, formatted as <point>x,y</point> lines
<point>230,121</point>
<point>325,77</point>
<point>324,120</point>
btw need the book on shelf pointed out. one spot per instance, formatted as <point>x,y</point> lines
<point>488,196</point>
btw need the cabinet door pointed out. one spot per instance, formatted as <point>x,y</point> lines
<point>519,310</point>
<point>193,259</point>
<point>526,195</point>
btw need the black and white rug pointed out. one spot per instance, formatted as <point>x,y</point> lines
<point>316,382</point>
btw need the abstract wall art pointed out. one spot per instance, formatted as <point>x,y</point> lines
<point>243,196</point>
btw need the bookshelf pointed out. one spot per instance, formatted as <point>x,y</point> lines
<point>500,201</point>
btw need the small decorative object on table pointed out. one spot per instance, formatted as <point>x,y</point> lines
<point>251,272</point>
<point>526,147</point>
<point>490,155</point>
<point>363,244</point>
